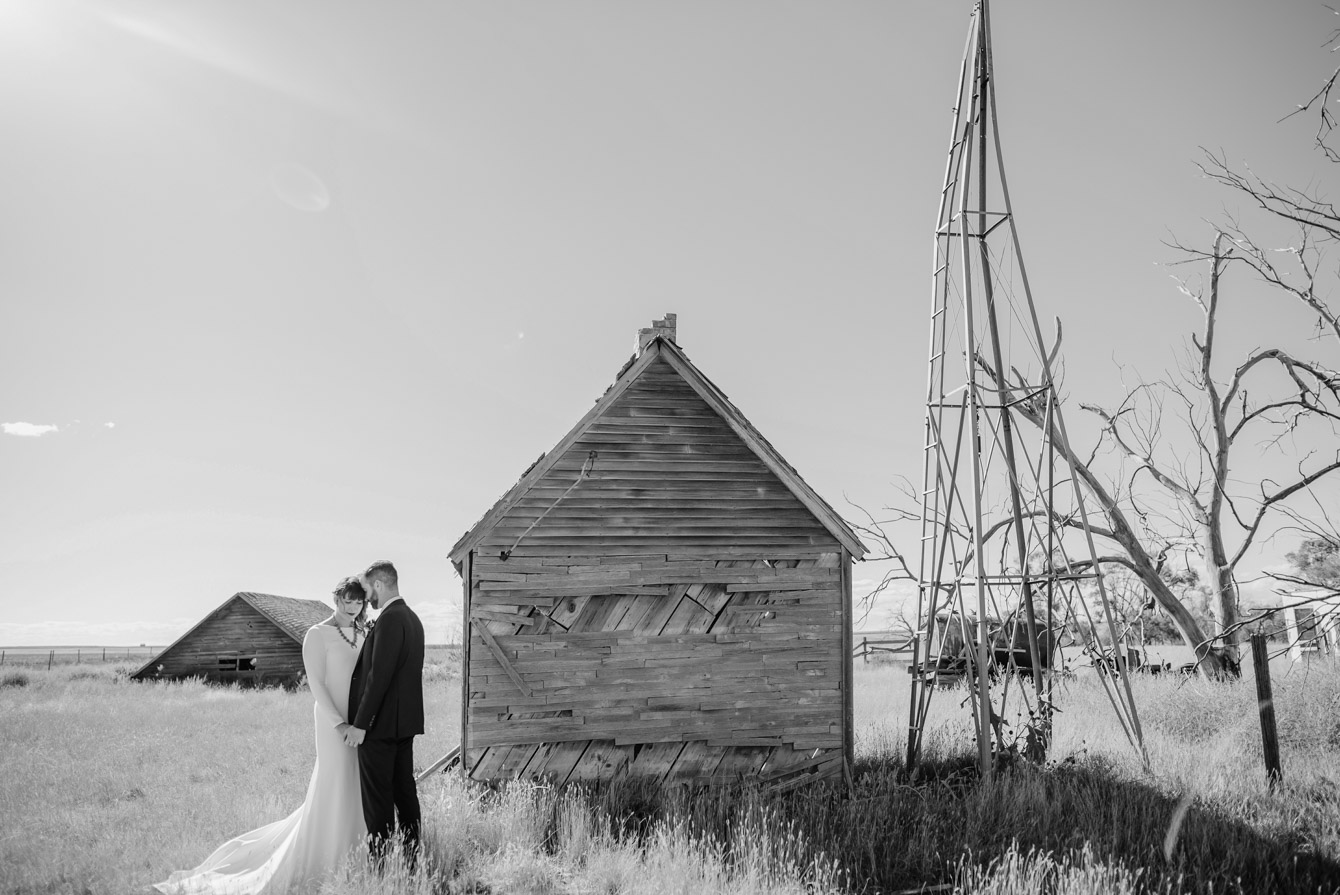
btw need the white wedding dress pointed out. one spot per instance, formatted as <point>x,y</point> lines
<point>293,854</point>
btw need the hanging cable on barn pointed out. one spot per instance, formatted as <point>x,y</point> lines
<point>581,476</point>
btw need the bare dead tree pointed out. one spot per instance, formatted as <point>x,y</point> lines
<point>1217,519</point>
<point>1140,547</point>
<point>1188,501</point>
<point>1182,496</point>
<point>1172,497</point>
<point>1325,120</point>
<point>877,534</point>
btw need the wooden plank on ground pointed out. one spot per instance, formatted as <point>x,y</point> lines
<point>830,768</point>
<point>780,767</point>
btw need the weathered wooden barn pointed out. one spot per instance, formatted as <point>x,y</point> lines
<point>251,638</point>
<point>660,595</point>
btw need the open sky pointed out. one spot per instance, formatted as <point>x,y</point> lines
<point>289,287</point>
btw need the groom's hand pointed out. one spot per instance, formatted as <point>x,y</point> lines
<point>353,736</point>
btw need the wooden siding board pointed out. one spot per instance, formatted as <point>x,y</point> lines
<point>654,760</point>
<point>537,470</point>
<point>516,761</point>
<point>267,627</point>
<point>737,421</point>
<point>684,616</point>
<point>661,397</point>
<point>644,519</point>
<point>601,761</point>
<point>663,469</point>
<point>234,628</point>
<point>594,552</point>
<point>562,758</point>
<point>685,493</point>
<point>650,575</point>
<point>732,662</point>
<point>697,760</point>
<point>741,761</point>
<point>632,543</point>
<point>489,762</point>
<point>491,644</point>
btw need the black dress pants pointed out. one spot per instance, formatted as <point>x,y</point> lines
<point>390,798</point>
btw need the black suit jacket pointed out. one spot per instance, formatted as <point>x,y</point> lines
<point>386,691</point>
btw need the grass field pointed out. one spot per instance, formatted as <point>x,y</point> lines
<point>109,785</point>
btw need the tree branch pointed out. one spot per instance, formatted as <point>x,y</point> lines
<point>1146,462</point>
<point>1268,501</point>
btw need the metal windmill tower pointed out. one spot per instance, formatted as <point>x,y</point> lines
<point>1006,540</point>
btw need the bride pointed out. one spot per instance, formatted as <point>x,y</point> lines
<point>312,841</point>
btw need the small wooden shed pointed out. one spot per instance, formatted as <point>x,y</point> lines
<point>251,638</point>
<point>1311,622</point>
<point>660,595</point>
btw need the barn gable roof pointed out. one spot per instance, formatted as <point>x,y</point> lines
<point>291,615</point>
<point>663,349</point>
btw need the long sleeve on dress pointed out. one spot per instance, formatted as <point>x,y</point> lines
<point>314,662</point>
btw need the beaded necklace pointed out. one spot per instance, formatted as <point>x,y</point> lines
<point>353,643</point>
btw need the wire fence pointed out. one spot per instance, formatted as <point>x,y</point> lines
<point>49,657</point>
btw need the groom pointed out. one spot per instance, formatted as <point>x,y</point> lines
<point>386,705</point>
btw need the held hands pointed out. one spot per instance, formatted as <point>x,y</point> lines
<point>353,736</point>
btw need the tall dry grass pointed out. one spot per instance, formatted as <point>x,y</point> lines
<point>108,786</point>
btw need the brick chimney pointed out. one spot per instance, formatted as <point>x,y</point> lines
<point>663,328</point>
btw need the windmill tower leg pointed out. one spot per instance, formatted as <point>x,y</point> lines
<point>993,537</point>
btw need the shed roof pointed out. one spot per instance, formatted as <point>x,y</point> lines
<point>291,615</point>
<point>662,348</point>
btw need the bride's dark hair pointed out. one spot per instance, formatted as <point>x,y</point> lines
<point>351,586</point>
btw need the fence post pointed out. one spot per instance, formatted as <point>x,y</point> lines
<point>865,652</point>
<point>50,658</point>
<point>78,654</point>
<point>1265,704</point>
<point>104,654</point>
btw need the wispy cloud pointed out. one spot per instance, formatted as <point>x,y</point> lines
<point>28,430</point>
